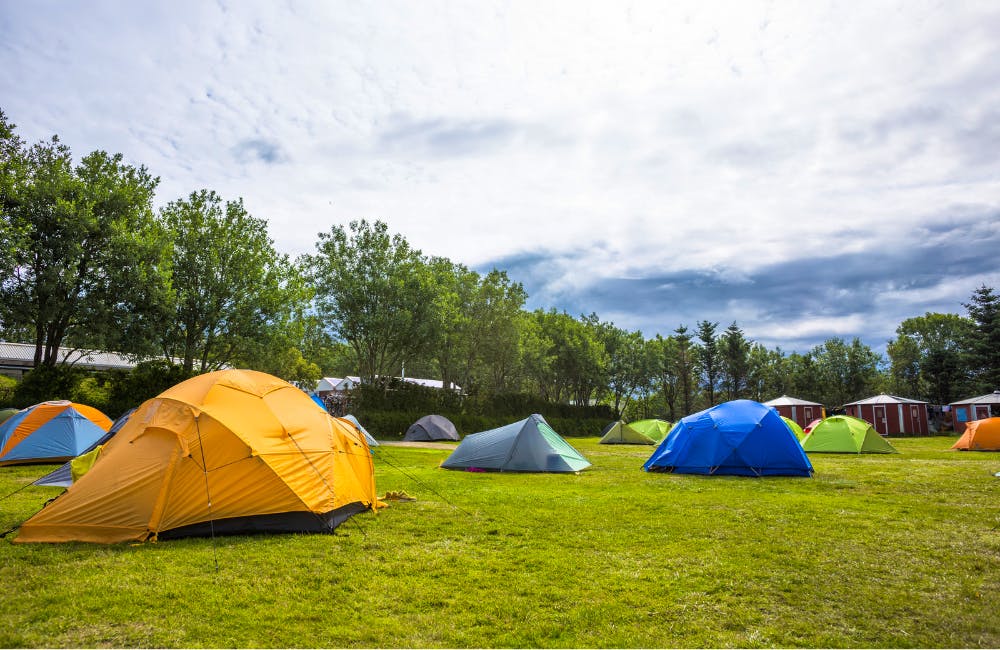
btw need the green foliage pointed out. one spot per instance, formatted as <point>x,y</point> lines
<point>626,367</point>
<point>563,358</point>
<point>735,353</point>
<point>47,383</point>
<point>93,391</point>
<point>847,372</point>
<point>982,357</point>
<point>389,411</point>
<point>476,341</point>
<point>709,359</point>
<point>80,248</point>
<point>232,292</point>
<point>377,292</point>
<point>7,386</point>
<point>926,357</point>
<point>874,552</point>
<point>147,380</point>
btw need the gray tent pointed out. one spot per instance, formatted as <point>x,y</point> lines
<point>431,427</point>
<point>530,445</point>
<point>62,476</point>
<point>353,420</point>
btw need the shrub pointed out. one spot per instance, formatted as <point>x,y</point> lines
<point>148,379</point>
<point>92,392</point>
<point>46,383</point>
<point>7,386</point>
<point>392,425</point>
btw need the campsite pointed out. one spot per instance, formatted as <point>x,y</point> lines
<point>873,550</point>
<point>504,324</point>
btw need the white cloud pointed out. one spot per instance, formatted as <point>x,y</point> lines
<point>622,140</point>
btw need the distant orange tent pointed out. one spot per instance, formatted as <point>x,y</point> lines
<point>980,435</point>
<point>228,452</point>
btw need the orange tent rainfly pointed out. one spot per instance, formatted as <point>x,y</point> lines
<point>980,435</point>
<point>228,452</point>
<point>50,432</point>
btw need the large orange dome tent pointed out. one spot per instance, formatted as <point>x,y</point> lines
<point>227,452</point>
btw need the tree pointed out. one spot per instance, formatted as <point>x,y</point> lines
<point>904,366</point>
<point>766,373</point>
<point>376,292</point>
<point>563,358</point>
<point>847,372</point>
<point>735,350</point>
<point>82,258</point>
<point>804,380</point>
<point>709,359</point>
<point>626,368</point>
<point>983,341</point>
<point>686,360</point>
<point>495,313</point>
<point>667,372</point>
<point>927,356</point>
<point>232,292</point>
<point>455,345</point>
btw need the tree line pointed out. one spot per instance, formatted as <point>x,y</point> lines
<point>87,262</point>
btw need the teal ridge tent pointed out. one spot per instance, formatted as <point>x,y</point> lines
<point>530,445</point>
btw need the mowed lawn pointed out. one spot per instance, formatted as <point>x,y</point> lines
<point>889,551</point>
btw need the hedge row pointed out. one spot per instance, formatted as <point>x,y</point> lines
<point>411,398</point>
<point>392,425</point>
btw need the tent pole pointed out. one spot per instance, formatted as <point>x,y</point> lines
<point>208,496</point>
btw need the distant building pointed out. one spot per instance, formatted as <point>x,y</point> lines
<point>800,411</point>
<point>975,408</point>
<point>16,359</point>
<point>891,415</point>
<point>328,387</point>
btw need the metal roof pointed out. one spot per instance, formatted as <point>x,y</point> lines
<point>785,400</point>
<point>23,354</point>
<point>989,398</point>
<point>885,399</point>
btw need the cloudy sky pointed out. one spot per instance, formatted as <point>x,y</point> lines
<point>806,169</point>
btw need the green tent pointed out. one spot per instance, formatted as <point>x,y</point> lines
<point>619,433</point>
<point>794,426</point>
<point>843,434</point>
<point>653,429</point>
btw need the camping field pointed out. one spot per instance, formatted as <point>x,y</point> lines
<point>888,551</point>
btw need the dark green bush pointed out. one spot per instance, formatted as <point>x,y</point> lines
<point>148,379</point>
<point>47,383</point>
<point>7,386</point>
<point>392,425</point>
<point>388,411</point>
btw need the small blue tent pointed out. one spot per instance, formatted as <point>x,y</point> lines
<point>742,438</point>
<point>529,445</point>
<point>63,475</point>
<point>53,431</point>
<point>372,442</point>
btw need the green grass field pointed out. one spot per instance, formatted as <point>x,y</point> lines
<point>887,551</point>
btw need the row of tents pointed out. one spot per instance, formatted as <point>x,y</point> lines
<point>240,451</point>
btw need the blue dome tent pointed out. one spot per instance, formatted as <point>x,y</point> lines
<point>741,438</point>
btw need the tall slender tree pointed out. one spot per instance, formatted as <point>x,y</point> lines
<point>983,341</point>
<point>735,350</point>
<point>686,368</point>
<point>709,359</point>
